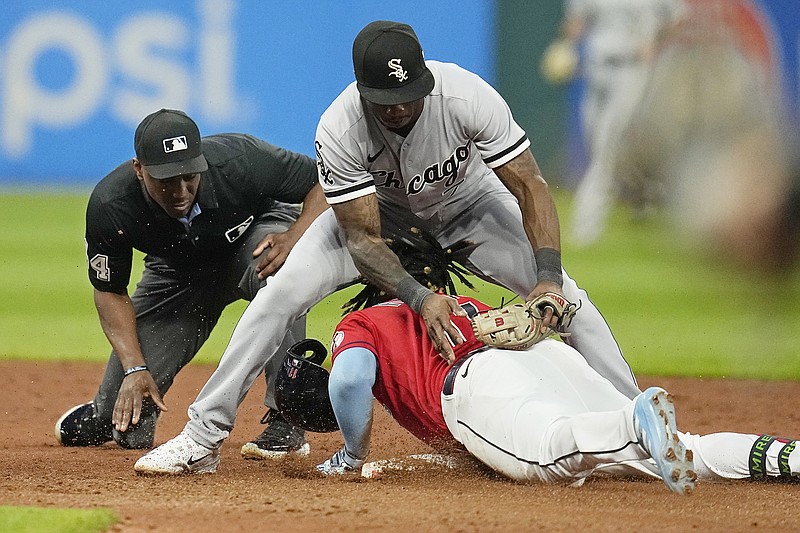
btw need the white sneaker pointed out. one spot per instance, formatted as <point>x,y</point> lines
<point>654,419</point>
<point>341,463</point>
<point>181,455</point>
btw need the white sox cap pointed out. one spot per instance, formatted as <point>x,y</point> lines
<point>167,144</point>
<point>389,64</point>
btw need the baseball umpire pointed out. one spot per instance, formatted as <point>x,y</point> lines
<point>410,143</point>
<point>214,216</point>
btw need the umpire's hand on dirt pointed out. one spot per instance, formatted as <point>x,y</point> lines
<point>128,407</point>
<point>273,249</point>
<point>549,320</point>
<point>436,311</point>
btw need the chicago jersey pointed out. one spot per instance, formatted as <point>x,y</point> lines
<point>465,130</point>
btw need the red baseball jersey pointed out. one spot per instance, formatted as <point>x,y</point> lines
<point>410,371</point>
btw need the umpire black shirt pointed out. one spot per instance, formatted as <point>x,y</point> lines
<point>246,180</point>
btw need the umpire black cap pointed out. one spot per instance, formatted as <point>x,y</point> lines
<point>389,65</point>
<point>167,144</point>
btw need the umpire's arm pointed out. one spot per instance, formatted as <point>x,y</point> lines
<point>278,245</point>
<point>118,320</point>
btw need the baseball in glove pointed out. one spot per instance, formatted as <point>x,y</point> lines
<point>519,326</point>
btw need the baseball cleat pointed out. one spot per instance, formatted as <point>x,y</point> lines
<point>80,427</point>
<point>181,455</point>
<point>277,440</point>
<point>654,419</point>
<point>341,463</point>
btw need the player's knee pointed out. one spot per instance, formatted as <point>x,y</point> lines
<point>285,293</point>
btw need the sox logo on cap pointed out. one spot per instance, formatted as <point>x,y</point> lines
<point>397,70</point>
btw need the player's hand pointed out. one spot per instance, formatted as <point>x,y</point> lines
<point>549,320</point>
<point>436,311</point>
<point>128,407</point>
<point>273,249</point>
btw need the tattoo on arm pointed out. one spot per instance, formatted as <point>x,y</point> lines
<point>523,179</point>
<point>361,224</point>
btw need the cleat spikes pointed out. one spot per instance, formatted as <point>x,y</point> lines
<point>654,419</point>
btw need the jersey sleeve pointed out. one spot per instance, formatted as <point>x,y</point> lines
<point>497,136</point>
<point>354,331</point>
<point>340,166</point>
<point>280,174</point>
<point>108,254</point>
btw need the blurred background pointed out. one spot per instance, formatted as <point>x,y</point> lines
<point>701,181</point>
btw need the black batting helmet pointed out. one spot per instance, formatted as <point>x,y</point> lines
<point>301,388</point>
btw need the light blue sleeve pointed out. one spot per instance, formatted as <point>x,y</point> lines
<point>350,389</point>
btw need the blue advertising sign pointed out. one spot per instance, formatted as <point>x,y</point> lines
<point>76,77</point>
<point>784,18</point>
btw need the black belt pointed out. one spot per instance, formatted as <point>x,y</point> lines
<point>450,378</point>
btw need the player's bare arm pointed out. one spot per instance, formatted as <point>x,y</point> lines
<point>278,245</point>
<point>118,320</point>
<point>360,222</point>
<point>523,178</point>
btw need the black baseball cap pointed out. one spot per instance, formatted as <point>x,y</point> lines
<point>389,65</point>
<point>167,144</point>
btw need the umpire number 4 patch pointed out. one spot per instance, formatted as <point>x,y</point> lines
<point>99,263</point>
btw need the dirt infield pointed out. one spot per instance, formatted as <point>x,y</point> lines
<point>287,496</point>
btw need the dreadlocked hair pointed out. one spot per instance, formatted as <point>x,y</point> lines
<point>425,260</point>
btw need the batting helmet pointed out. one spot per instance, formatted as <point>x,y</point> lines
<point>301,388</point>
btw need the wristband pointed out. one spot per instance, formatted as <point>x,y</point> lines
<point>412,293</point>
<point>133,369</point>
<point>548,265</point>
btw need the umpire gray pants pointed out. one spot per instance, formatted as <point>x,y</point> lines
<point>175,314</point>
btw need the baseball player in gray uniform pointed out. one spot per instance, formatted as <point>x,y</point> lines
<point>620,38</point>
<point>412,143</point>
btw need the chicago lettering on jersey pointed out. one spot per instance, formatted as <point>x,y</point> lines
<point>387,179</point>
<point>447,170</point>
<point>322,168</point>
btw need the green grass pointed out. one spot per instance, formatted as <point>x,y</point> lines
<point>673,309</point>
<point>37,520</point>
<point>678,309</point>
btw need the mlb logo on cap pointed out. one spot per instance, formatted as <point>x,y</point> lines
<point>174,144</point>
<point>167,144</point>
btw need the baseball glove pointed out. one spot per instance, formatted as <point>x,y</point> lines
<point>519,326</point>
